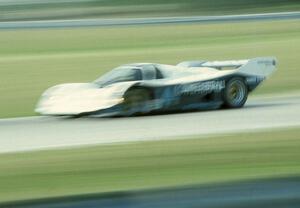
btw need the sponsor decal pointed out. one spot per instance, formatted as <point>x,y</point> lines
<point>254,80</point>
<point>200,88</point>
<point>267,62</point>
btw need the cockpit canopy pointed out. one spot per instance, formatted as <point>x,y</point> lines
<point>130,72</point>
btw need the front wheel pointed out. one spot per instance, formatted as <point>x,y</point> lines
<point>235,93</point>
<point>135,99</point>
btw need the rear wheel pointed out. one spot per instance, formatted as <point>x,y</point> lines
<point>134,99</point>
<point>235,93</point>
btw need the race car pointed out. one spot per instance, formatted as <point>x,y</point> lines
<point>142,88</point>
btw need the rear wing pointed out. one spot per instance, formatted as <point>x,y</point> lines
<point>261,66</point>
<point>213,64</point>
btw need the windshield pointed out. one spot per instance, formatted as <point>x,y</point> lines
<point>119,74</point>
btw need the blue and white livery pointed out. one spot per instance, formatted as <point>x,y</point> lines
<point>142,88</point>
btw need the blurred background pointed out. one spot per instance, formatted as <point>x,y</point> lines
<point>11,10</point>
<point>33,59</point>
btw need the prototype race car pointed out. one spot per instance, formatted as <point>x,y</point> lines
<point>142,88</point>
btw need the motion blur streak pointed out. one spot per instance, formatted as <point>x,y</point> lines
<point>270,193</point>
<point>45,132</point>
<point>145,21</point>
<point>12,10</point>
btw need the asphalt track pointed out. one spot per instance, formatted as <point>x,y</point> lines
<point>270,193</point>
<point>146,21</point>
<point>35,133</point>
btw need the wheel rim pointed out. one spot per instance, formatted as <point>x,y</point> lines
<point>135,100</point>
<point>236,92</point>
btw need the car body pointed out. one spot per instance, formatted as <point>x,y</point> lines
<point>147,87</point>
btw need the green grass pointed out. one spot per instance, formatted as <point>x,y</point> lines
<point>232,157</point>
<point>140,8</point>
<point>33,60</point>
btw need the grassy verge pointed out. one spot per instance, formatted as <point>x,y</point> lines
<point>33,60</point>
<point>149,164</point>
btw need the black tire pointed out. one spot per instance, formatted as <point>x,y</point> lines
<point>235,93</point>
<point>135,98</point>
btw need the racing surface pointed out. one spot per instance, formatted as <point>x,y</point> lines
<point>35,133</point>
<point>145,21</point>
<point>270,193</point>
